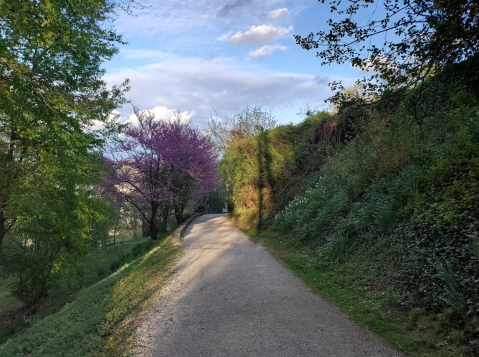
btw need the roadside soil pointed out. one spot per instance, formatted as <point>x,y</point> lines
<point>230,297</point>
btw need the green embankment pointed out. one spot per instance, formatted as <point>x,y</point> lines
<point>96,265</point>
<point>101,318</point>
<point>380,197</point>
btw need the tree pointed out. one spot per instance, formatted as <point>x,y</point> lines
<point>215,201</point>
<point>419,38</point>
<point>57,214</point>
<point>51,88</point>
<point>159,164</point>
<point>236,135</point>
<point>248,122</point>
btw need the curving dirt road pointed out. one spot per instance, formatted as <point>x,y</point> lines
<point>230,297</point>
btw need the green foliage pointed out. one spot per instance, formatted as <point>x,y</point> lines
<point>453,295</point>
<point>335,249</point>
<point>124,258</point>
<point>52,230</point>
<point>456,337</point>
<point>414,41</point>
<point>251,166</point>
<point>440,228</point>
<point>51,93</point>
<point>64,286</point>
<point>400,202</point>
<point>475,245</point>
<point>382,199</point>
<point>260,168</point>
<point>214,201</point>
<point>415,314</point>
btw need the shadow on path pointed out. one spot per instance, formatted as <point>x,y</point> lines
<point>230,297</point>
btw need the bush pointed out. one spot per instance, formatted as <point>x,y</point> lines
<point>32,267</point>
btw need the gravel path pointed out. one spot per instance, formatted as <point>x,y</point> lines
<point>230,297</point>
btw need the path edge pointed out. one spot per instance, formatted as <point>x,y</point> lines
<point>175,237</point>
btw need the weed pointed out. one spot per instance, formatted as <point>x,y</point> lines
<point>453,295</point>
<point>456,337</point>
<point>335,250</point>
<point>414,314</point>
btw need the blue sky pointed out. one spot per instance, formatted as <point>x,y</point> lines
<point>203,56</point>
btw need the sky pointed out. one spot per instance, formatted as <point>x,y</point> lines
<point>215,57</point>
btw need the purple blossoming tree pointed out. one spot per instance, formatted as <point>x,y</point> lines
<point>159,165</point>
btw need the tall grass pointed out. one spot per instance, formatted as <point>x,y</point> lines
<point>453,296</point>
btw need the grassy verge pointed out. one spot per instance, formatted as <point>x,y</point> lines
<point>96,265</point>
<point>101,319</point>
<point>412,332</point>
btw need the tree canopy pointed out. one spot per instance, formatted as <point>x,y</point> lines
<point>248,122</point>
<point>402,41</point>
<point>52,90</point>
<point>160,164</point>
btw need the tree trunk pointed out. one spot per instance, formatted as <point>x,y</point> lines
<point>178,215</point>
<point>165,219</point>
<point>116,227</point>
<point>260,183</point>
<point>153,225</point>
<point>2,229</point>
<point>8,177</point>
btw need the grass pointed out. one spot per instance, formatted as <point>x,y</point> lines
<point>101,319</point>
<point>97,264</point>
<point>415,334</point>
<point>7,301</point>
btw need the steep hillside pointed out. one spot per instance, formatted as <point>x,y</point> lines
<point>388,189</point>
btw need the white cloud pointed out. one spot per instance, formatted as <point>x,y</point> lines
<point>187,25</point>
<point>277,14</point>
<point>265,51</point>
<point>114,116</point>
<point>224,37</point>
<point>195,84</point>
<point>258,35</point>
<point>162,113</point>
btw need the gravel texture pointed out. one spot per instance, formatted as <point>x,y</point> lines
<point>230,297</point>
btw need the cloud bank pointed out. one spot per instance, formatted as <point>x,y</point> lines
<point>277,14</point>
<point>195,86</point>
<point>162,113</point>
<point>257,35</point>
<point>265,51</point>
